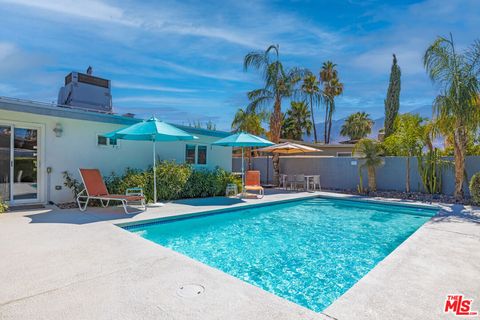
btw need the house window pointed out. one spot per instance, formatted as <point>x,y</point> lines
<point>344,154</point>
<point>202,155</point>
<point>190,154</point>
<point>103,141</point>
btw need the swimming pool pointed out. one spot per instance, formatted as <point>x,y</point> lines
<point>309,251</point>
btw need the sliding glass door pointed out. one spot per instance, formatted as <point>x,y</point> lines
<point>25,164</point>
<point>19,164</point>
<point>5,161</point>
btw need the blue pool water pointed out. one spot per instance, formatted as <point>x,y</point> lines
<point>309,252</point>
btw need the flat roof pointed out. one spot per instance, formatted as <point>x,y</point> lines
<point>71,112</point>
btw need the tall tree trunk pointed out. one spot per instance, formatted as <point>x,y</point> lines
<point>248,152</point>
<point>429,144</point>
<point>459,145</point>
<point>330,115</point>
<point>313,120</point>
<point>407,184</point>
<point>372,180</point>
<point>325,123</point>
<point>447,141</point>
<point>275,130</point>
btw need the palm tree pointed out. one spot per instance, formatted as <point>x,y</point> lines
<point>250,122</point>
<point>438,127</point>
<point>407,139</point>
<point>370,152</point>
<point>279,83</point>
<point>297,121</point>
<point>357,126</point>
<point>457,74</point>
<point>311,91</point>
<point>332,87</point>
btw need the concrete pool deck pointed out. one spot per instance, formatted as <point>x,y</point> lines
<point>64,264</point>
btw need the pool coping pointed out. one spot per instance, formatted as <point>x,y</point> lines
<point>357,198</point>
<point>126,226</point>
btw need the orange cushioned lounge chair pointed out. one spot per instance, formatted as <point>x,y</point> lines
<point>252,182</point>
<point>95,189</point>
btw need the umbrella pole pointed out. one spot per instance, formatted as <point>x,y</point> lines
<point>155,203</point>
<point>243,176</point>
<point>154,174</point>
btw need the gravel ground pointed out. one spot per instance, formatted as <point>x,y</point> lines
<point>414,196</point>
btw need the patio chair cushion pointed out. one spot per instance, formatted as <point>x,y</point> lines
<point>253,188</point>
<point>93,182</point>
<point>252,178</point>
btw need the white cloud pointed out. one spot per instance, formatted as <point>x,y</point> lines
<point>7,90</point>
<point>87,9</point>
<point>169,101</point>
<point>230,76</point>
<point>137,86</point>
<point>243,29</point>
<point>6,50</point>
<point>380,60</point>
<point>14,60</point>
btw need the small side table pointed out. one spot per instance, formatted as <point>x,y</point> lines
<point>231,187</point>
<point>307,181</point>
<point>134,192</point>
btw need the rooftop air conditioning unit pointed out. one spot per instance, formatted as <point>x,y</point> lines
<point>86,91</point>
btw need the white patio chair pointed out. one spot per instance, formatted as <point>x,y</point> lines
<point>316,182</point>
<point>290,182</point>
<point>300,182</point>
<point>283,181</point>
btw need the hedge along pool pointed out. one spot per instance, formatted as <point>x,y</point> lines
<point>309,251</point>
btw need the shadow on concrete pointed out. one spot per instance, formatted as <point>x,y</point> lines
<point>274,191</point>
<point>224,201</point>
<point>456,213</point>
<point>74,216</point>
<point>215,201</point>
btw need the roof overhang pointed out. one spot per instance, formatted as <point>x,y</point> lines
<point>54,110</point>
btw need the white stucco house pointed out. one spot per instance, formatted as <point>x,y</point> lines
<point>40,141</point>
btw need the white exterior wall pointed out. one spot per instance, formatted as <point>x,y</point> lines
<point>77,148</point>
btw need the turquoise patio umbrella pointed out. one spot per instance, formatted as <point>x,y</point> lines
<point>151,130</point>
<point>243,140</point>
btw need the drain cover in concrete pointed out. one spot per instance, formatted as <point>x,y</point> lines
<point>190,290</point>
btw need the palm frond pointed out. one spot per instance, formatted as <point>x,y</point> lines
<point>259,104</point>
<point>255,59</point>
<point>275,48</point>
<point>473,57</point>
<point>439,61</point>
<point>257,93</point>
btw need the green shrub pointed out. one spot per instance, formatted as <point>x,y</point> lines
<point>430,168</point>
<point>475,188</point>
<point>132,178</point>
<point>71,183</point>
<point>225,178</point>
<point>174,181</point>
<point>3,206</point>
<point>171,179</point>
<point>200,183</point>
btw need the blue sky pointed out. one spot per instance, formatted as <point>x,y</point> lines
<point>182,61</point>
